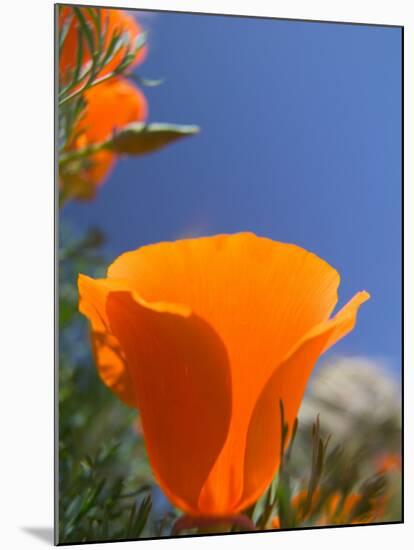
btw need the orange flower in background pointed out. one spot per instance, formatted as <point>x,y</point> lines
<point>206,336</point>
<point>335,510</point>
<point>112,21</point>
<point>388,462</point>
<point>109,106</point>
<point>346,512</point>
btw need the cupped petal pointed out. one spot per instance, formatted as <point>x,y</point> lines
<point>180,372</point>
<point>287,384</point>
<point>261,297</point>
<point>109,357</point>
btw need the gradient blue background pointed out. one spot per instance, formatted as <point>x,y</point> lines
<point>300,142</point>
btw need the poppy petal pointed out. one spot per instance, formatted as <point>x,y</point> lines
<point>260,296</point>
<point>288,384</point>
<point>109,357</point>
<point>180,372</point>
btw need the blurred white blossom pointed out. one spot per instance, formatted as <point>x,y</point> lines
<point>353,395</point>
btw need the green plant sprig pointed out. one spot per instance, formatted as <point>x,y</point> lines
<point>72,86</point>
<point>84,78</point>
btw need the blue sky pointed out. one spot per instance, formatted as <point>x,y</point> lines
<point>300,142</point>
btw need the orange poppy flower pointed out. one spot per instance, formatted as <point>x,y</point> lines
<point>109,106</point>
<point>205,336</point>
<point>113,21</point>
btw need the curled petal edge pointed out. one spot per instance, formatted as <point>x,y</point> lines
<point>265,420</point>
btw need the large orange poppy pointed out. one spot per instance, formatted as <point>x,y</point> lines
<point>112,21</point>
<point>206,336</point>
<point>109,106</point>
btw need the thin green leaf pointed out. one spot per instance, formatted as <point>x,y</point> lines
<point>115,44</point>
<point>138,518</point>
<point>85,29</point>
<point>96,19</point>
<point>79,58</point>
<point>292,440</point>
<point>63,32</point>
<point>147,82</point>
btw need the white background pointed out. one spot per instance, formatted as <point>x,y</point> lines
<point>26,271</point>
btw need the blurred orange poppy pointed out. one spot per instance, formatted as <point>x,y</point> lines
<point>109,106</point>
<point>112,21</point>
<point>335,510</point>
<point>388,462</point>
<point>205,336</point>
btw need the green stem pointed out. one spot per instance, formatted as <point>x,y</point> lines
<point>87,86</point>
<point>83,153</point>
<point>206,524</point>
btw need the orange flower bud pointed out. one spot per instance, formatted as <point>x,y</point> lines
<point>109,106</point>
